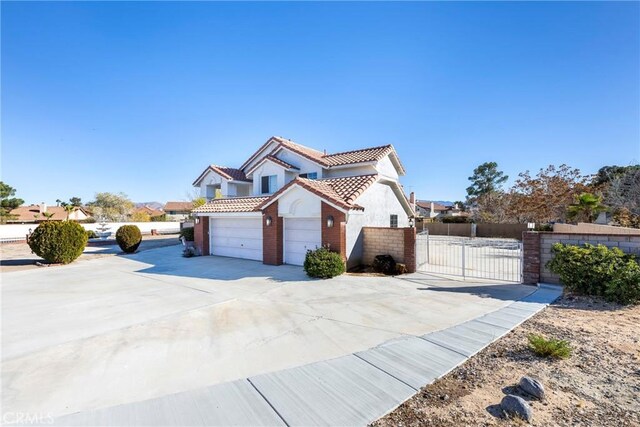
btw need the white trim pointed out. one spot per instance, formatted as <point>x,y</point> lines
<point>351,165</point>
<point>266,159</point>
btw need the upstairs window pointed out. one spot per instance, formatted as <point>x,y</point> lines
<point>394,221</point>
<point>310,175</point>
<point>269,184</point>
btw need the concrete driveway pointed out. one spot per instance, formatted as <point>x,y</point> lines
<point>128,328</point>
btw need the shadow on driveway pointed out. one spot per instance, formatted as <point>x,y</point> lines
<point>170,262</point>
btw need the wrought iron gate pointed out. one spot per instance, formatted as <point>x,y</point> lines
<point>484,258</point>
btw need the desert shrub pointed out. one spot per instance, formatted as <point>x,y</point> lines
<point>58,241</point>
<point>323,264</point>
<point>555,348</point>
<point>159,218</point>
<point>624,286</point>
<point>188,234</point>
<point>597,270</point>
<point>128,238</point>
<point>91,234</point>
<point>543,227</point>
<point>384,264</point>
<point>401,268</point>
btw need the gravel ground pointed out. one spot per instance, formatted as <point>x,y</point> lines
<point>599,385</point>
<point>18,256</point>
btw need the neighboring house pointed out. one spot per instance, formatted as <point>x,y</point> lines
<point>435,210</point>
<point>148,210</point>
<point>288,198</point>
<point>178,211</point>
<point>35,213</point>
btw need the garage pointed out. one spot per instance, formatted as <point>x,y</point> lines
<point>236,237</point>
<point>300,235</point>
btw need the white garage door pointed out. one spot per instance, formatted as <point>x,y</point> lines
<point>300,234</point>
<point>236,237</point>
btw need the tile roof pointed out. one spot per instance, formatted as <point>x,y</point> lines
<point>149,210</point>
<point>339,191</point>
<point>32,213</point>
<point>358,156</point>
<point>236,204</point>
<point>178,206</point>
<point>425,204</point>
<point>225,172</point>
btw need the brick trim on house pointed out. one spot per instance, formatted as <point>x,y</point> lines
<point>531,257</point>
<point>201,235</point>
<point>410,249</point>
<point>336,236</point>
<point>272,236</point>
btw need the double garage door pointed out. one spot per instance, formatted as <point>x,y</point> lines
<point>236,237</point>
<point>242,238</point>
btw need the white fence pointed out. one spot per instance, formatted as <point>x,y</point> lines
<point>484,258</point>
<point>14,232</point>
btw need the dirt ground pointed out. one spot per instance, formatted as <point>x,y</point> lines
<point>599,385</point>
<point>18,256</point>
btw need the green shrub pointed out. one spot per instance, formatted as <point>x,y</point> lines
<point>624,286</point>
<point>188,234</point>
<point>558,349</point>
<point>323,263</point>
<point>597,270</point>
<point>58,241</point>
<point>91,234</point>
<point>159,218</point>
<point>128,238</point>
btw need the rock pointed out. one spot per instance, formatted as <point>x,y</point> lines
<point>532,387</point>
<point>515,405</point>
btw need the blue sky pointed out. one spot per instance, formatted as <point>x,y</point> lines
<point>140,97</point>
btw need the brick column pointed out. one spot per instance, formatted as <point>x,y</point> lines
<point>531,257</point>
<point>410,249</point>
<point>201,235</point>
<point>336,236</point>
<point>272,236</point>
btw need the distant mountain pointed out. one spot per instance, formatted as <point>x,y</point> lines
<point>153,205</point>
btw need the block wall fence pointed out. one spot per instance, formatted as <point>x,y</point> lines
<point>537,250</point>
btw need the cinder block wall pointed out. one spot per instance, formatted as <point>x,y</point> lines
<point>626,243</point>
<point>382,241</point>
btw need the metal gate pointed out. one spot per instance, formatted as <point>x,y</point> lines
<point>483,258</point>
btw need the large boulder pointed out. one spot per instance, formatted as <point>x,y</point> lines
<point>532,387</point>
<point>515,405</point>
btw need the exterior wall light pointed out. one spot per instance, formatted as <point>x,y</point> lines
<point>330,221</point>
<point>268,221</point>
<point>197,220</point>
<point>411,222</point>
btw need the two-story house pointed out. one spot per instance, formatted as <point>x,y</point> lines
<point>287,198</point>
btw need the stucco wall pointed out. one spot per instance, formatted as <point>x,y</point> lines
<point>299,203</point>
<point>266,169</point>
<point>300,162</point>
<point>379,202</point>
<point>385,168</point>
<point>351,171</point>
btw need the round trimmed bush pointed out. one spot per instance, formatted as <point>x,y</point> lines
<point>58,242</point>
<point>188,234</point>
<point>323,264</point>
<point>128,238</point>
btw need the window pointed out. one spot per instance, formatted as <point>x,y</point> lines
<point>394,221</point>
<point>310,175</point>
<point>269,184</point>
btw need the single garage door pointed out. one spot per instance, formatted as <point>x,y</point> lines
<point>300,234</point>
<point>236,237</point>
